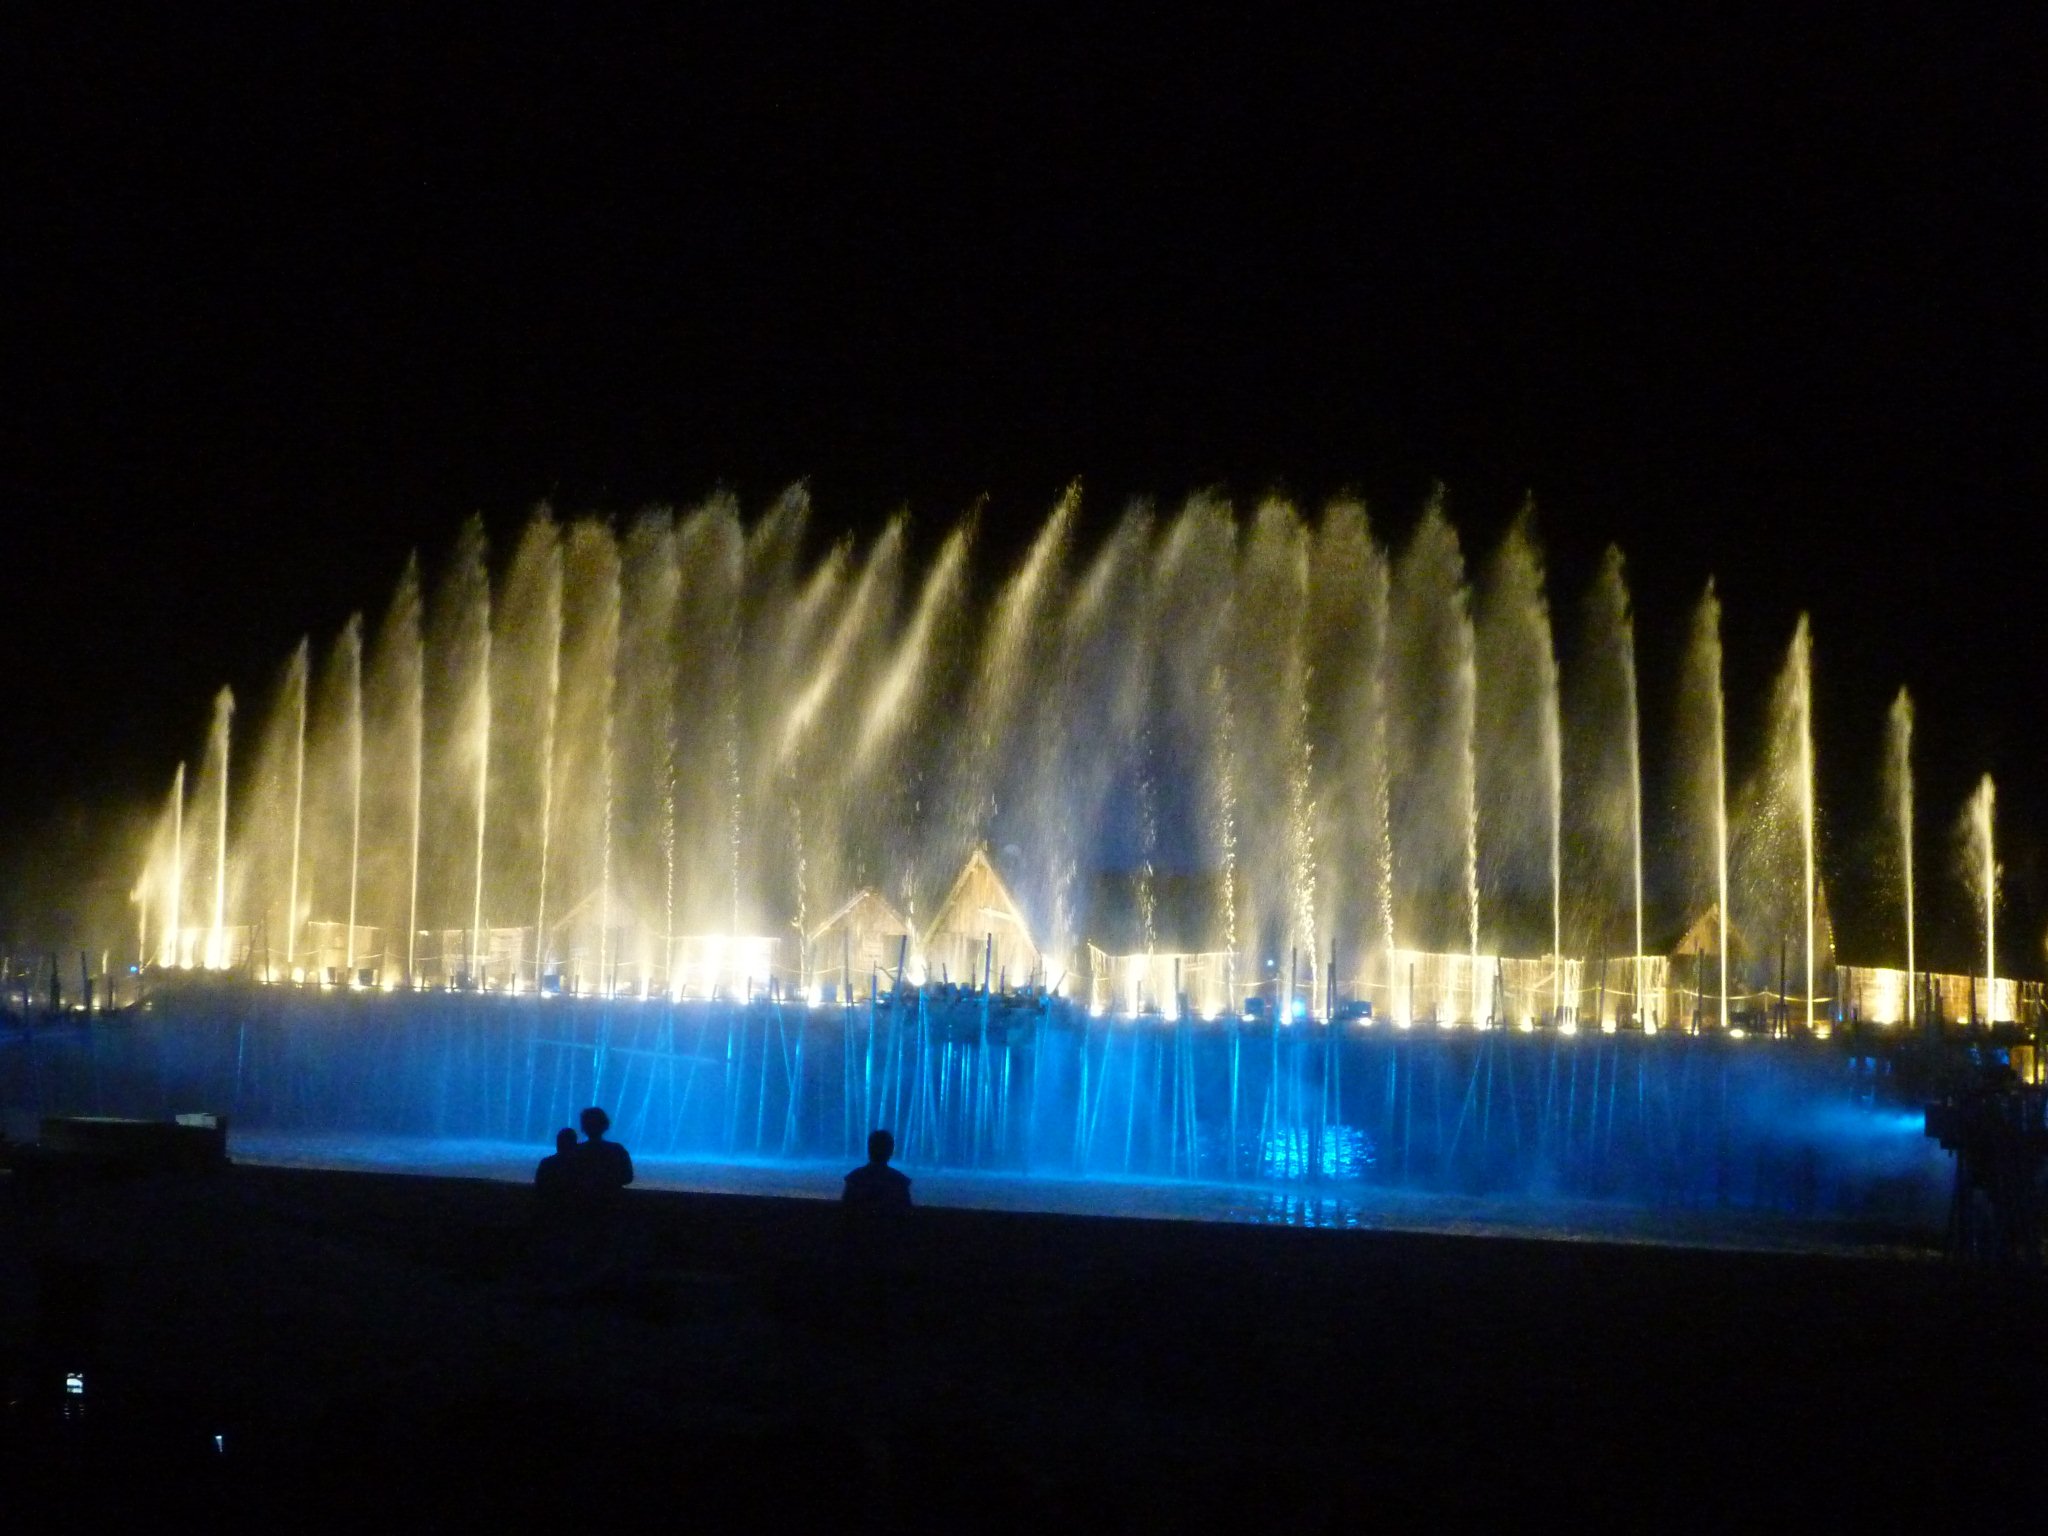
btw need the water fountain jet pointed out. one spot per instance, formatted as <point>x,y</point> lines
<point>299,685</point>
<point>1899,772</point>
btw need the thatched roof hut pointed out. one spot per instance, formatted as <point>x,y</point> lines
<point>979,931</point>
<point>865,936</point>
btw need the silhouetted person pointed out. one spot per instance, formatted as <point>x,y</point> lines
<point>555,1178</point>
<point>875,1185</point>
<point>601,1166</point>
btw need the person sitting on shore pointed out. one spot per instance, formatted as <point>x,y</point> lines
<point>601,1166</point>
<point>875,1185</point>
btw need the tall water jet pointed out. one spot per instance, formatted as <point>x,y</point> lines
<point>1016,647</point>
<point>1521,812</point>
<point>580,853</point>
<point>1107,672</point>
<point>1382,811</point>
<point>1433,792</point>
<point>1604,745</point>
<point>1195,597</point>
<point>1269,677</point>
<point>1774,847</point>
<point>787,619</point>
<point>1703,776</point>
<point>352,663</point>
<point>301,687</point>
<point>900,725</point>
<point>526,627</point>
<point>1978,819</point>
<point>1899,780</point>
<point>643,745</point>
<point>174,887</point>
<point>891,707</point>
<point>456,773</point>
<point>394,779</point>
<point>551,702</point>
<point>419,784</point>
<point>223,717</point>
<point>825,711</point>
<point>1802,694</point>
<point>264,837</point>
<point>1467,685</point>
<point>482,750</point>
<point>1635,791</point>
<point>1346,649</point>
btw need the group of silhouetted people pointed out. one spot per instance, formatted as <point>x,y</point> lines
<point>585,1251</point>
<point>584,1172</point>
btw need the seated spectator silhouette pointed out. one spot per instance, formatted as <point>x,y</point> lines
<point>601,1166</point>
<point>554,1180</point>
<point>875,1185</point>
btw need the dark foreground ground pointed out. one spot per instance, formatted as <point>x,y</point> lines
<point>382,1352</point>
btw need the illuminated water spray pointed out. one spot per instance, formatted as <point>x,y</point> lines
<point>301,673</point>
<point>174,889</point>
<point>1465,685</point>
<point>1382,789</point>
<point>223,717</point>
<point>1899,771</point>
<point>1552,730</point>
<point>1293,725</point>
<point>1632,733</point>
<point>416,719</point>
<point>1226,827</point>
<point>1983,804</point>
<point>1709,704</point>
<point>608,748</point>
<point>551,643</point>
<point>1802,706</point>
<point>352,661</point>
<point>482,746</point>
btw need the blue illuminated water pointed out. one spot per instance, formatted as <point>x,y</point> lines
<point>1623,1137</point>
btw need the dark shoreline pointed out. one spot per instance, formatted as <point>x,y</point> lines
<point>352,1335</point>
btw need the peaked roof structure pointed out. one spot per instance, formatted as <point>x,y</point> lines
<point>1702,935</point>
<point>864,937</point>
<point>978,914</point>
<point>867,910</point>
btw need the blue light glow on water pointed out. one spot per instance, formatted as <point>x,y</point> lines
<point>1038,1109</point>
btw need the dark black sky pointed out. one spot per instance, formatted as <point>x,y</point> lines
<point>289,292</point>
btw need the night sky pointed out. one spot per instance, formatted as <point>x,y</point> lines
<point>288,293</point>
